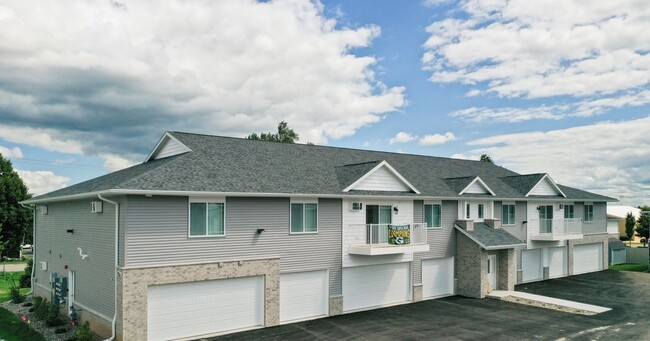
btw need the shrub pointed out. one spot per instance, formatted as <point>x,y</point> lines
<point>53,317</point>
<point>26,278</point>
<point>84,333</point>
<point>40,308</point>
<point>16,297</point>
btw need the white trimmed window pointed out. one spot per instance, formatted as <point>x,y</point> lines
<point>589,212</point>
<point>207,219</point>
<point>481,211</point>
<point>433,216</point>
<point>467,214</point>
<point>569,212</point>
<point>508,215</point>
<point>304,218</point>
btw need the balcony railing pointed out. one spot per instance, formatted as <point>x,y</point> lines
<point>555,229</point>
<point>383,239</point>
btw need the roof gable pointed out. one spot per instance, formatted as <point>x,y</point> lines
<point>545,187</point>
<point>382,177</point>
<point>469,185</point>
<point>166,147</point>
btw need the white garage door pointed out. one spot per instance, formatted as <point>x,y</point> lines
<point>437,277</point>
<point>186,310</point>
<point>587,258</point>
<point>531,265</point>
<point>376,285</point>
<point>557,262</point>
<point>303,295</point>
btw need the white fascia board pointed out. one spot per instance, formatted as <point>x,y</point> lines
<point>391,169</point>
<point>546,176</point>
<point>480,182</point>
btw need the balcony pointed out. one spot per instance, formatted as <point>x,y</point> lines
<point>386,239</point>
<point>555,229</point>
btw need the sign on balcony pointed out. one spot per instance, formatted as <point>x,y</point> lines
<point>399,234</point>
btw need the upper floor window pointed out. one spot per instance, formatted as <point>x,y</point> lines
<point>432,216</point>
<point>467,211</point>
<point>304,218</point>
<point>589,213</point>
<point>508,216</point>
<point>207,219</point>
<point>480,211</point>
<point>568,212</point>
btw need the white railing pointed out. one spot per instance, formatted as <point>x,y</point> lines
<point>386,234</point>
<point>558,226</point>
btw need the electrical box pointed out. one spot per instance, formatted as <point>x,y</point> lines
<point>96,207</point>
<point>43,265</point>
<point>357,206</point>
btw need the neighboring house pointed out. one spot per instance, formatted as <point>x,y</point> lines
<point>214,235</point>
<point>616,220</point>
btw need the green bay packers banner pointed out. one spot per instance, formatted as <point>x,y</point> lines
<point>399,234</point>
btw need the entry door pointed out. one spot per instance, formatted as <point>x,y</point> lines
<point>377,218</point>
<point>546,219</point>
<point>492,271</point>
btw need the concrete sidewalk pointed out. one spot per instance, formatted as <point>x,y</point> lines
<point>547,302</point>
<point>13,267</point>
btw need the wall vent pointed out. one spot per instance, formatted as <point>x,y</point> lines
<point>96,207</point>
<point>42,209</point>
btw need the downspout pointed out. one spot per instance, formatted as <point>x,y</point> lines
<point>117,219</point>
<point>31,290</point>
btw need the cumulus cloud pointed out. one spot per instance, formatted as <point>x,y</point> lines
<point>544,48</point>
<point>610,158</point>
<point>402,137</point>
<point>96,78</point>
<point>13,152</point>
<point>433,139</point>
<point>40,182</point>
<point>114,162</point>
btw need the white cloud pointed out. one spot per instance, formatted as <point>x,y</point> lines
<point>511,115</point>
<point>40,182</point>
<point>13,152</point>
<point>437,139</point>
<point>114,163</point>
<point>402,137</point>
<point>217,67</point>
<point>543,48</point>
<point>610,158</point>
<point>48,139</point>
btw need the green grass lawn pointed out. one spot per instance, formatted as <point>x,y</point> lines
<point>13,329</point>
<point>629,267</point>
<point>6,282</point>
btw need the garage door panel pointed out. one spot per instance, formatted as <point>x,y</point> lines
<point>377,285</point>
<point>587,258</point>
<point>557,262</point>
<point>531,265</point>
<point>437,277</point>
<point>303,295</point>
<point>191,309</point>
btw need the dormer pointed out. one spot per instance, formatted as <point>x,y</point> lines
<point>381,177</point>
<point>166,147</point>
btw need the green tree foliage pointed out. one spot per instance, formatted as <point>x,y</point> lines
<point>15,220</point>
<point>643,226</point>
<point>284,135</point>
<point>630,223</point>
<point>486,158</point>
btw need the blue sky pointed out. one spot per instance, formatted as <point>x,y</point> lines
<point>548,86</point>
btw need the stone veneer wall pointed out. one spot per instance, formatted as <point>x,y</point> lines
<point>589,239</point>
<point>507,269</point>
<point>133,287</point>
<point>471,268</point>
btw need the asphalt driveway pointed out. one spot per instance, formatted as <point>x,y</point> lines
<point>627,293</point>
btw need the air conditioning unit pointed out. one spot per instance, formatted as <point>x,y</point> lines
<point>42,209</point>
<point>357,206</point>
<point>96,207</point>
<point>43,266</point>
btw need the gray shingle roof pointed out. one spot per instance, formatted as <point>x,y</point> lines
<point>616,244</point>
<point>523,183</point>
<point>491,238</point>
<point>459,184</point>
<point>225,164</point>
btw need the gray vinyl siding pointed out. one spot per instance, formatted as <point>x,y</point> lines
<point>599,225</point>
<point>157,234</point>
<point>519,229</point>
<point>418,211</point>
<point>442,241</point>
<point>94,234</point>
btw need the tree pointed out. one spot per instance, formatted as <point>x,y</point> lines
<point>486,158</point>
<point>630,223</point>
<point>284,135</point>
<point>15,220</point>
<point>643,226</point>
